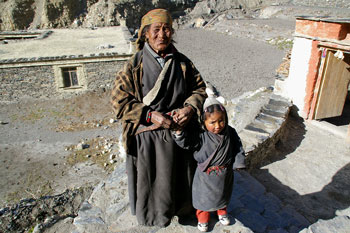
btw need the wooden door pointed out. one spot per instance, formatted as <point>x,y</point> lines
<point>334,87</point>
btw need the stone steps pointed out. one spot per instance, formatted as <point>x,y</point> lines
<point>260,136</point>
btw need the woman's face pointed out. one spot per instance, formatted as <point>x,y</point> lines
<point>159,36</point>
<point>215,122</point>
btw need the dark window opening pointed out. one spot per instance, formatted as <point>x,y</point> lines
<point>343,121</point>
<point>70,78</point>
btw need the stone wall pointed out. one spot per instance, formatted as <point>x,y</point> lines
<point>39,81</point>
<point>19,82</point>
<point>102,74</point>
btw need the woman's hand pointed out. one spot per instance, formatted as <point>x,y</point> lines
<point>161,120</point>
<point>183,115</point>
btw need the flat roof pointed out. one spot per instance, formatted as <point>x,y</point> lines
<point>60,42</point>
<point>324,19</point>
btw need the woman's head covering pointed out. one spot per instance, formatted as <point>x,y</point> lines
<point>153,16</point>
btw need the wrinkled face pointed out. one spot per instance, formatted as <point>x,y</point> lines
<point>159,36</point>
<point>215,122</point>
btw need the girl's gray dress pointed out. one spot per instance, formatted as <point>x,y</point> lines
<point>217,155</point>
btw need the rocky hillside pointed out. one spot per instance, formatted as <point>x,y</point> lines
<point>32,14</point>
<point>35,14</point>
<point>24,14</point>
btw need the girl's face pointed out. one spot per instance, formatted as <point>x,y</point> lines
<point>215,122</point>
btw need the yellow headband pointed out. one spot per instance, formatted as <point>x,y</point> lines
<point>156,16</point>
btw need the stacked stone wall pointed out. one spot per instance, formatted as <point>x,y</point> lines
<point>102,74</point>
<point>21,82</point>
<point>39,81</point>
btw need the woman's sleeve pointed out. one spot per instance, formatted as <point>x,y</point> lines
<point>195,88</point>
<point>124,99</point>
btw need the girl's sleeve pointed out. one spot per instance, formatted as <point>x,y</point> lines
<point>239,159</point>
<point>240,155</point>
<point>187,140</point>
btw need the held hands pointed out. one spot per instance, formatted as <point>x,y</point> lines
<point>179,119</point>
<point>183,116</point>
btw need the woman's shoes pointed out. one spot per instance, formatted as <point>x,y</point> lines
<point>203,226</point>
<point>224,220</point>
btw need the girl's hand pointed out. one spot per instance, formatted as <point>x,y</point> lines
<point>178,132</point>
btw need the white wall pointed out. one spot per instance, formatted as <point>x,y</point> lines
<point>295,87</point>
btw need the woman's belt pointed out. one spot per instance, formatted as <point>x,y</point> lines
<point>143,128</point>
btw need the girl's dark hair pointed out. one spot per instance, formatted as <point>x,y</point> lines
<point>214,108</point>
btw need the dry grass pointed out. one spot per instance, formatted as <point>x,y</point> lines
<point>96,152</point>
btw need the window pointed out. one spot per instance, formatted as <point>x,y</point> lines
<point>70,78</point>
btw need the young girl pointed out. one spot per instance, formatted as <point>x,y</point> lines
<point>218,150</point>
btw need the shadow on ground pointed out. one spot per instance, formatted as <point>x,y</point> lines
<point>318,205</point>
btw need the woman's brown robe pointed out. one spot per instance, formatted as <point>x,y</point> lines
<point>159,172</point>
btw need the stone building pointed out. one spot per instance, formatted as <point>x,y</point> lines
<point>61,62</point>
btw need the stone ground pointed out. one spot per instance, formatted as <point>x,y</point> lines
<point>309,169</point>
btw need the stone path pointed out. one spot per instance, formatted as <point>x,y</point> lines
<point>252,209</point>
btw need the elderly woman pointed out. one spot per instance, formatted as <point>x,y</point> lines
<point>158,90</point>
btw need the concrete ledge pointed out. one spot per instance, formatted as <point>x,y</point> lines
<point>340,132</point>
<point>67,59</point>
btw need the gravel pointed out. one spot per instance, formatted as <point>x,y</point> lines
<point>232,65</point>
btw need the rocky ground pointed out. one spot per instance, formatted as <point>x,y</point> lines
<point>49,146</point>
<point>39,145</point>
